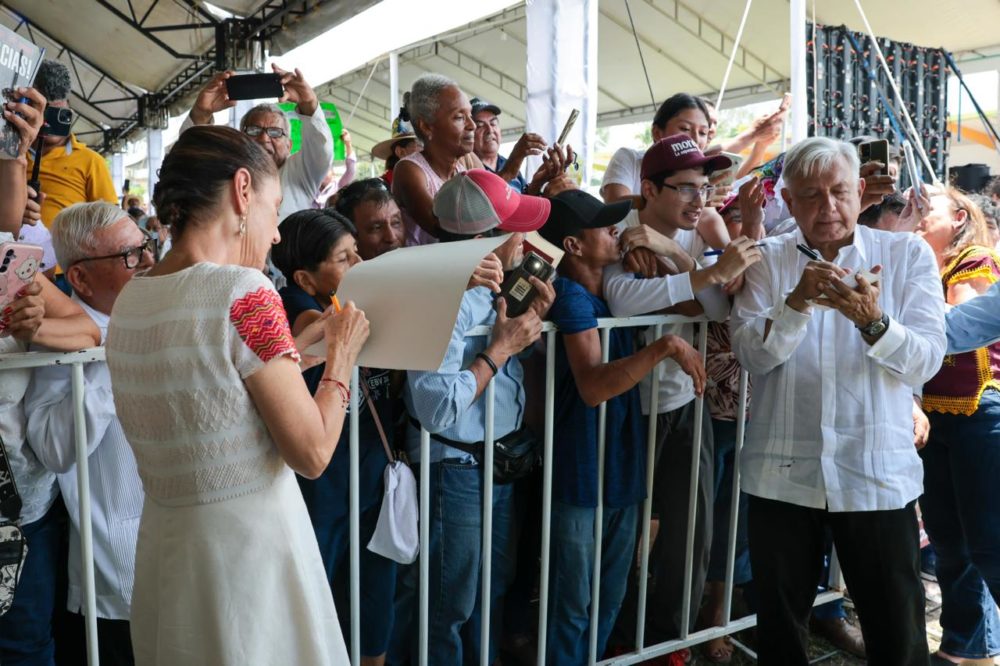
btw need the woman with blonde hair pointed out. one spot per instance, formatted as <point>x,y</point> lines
<point>960,509</point>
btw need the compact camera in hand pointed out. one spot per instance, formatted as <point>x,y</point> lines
<point>517,289</point>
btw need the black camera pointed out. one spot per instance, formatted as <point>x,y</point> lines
<point>517,289</point>
<point>58,120</point>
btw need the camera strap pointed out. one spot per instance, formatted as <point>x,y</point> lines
<point>10,499</point>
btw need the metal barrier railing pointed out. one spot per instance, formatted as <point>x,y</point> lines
<point>76,361</point>
<point>641,653</point>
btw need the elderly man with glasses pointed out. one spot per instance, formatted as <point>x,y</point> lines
<point>302,174</point>
<point>101,249</point>
<point>836,326</point>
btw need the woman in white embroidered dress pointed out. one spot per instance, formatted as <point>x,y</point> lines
<point>209,390</point>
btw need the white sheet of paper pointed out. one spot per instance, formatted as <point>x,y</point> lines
<point>411,297</point>
<point>851,281</point>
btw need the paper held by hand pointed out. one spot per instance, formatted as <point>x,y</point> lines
<point>411,297</point>
<point>851,282</point>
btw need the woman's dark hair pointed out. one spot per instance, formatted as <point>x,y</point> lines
<point>674,105</point>
<point>393,159</point>
<point>359,192</point>
<point>307,238</point>
<point>197,169</point>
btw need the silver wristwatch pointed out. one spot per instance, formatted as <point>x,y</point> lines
<point>875,328</point>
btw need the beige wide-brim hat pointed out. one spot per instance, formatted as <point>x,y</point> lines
<point>383,149</point>
<point>401,131</point>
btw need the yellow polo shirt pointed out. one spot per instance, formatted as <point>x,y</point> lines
<point>72,174</point>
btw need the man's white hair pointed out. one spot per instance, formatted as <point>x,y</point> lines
<point>74,228</point>
<point>815,155</point>
<point>262,109</point>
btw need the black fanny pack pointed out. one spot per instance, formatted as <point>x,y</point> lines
<point>515,455</point>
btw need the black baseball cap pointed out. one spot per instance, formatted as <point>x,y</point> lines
<point>482,105</point>
<point>575,210</point>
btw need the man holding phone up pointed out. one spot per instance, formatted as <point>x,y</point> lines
<point>70,171</point>
<point>302,173</point>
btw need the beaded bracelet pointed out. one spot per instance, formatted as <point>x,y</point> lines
<point>345,393</point>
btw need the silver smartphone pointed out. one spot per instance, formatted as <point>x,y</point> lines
<point>569,126</point>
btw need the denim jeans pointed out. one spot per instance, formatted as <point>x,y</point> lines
<point>572,567</point>
<point>724,433</point>
<point>455,620</point>
<point>961,511</point>
<point>26,629</point>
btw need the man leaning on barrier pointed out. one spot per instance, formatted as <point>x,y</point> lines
<point>675,189</point>
<point>451,404</point>
<point>831,441</point>
<point>100,248</point>
<point>584,227</point>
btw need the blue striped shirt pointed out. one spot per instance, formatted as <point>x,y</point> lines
<point>443,401</point>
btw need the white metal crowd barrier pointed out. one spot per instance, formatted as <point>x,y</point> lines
<point>641,653</point>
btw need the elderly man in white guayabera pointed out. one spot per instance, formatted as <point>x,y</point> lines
<point>836,326</point>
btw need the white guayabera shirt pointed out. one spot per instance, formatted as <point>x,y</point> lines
<point>832,425</point>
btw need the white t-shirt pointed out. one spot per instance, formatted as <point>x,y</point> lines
<point>676,388</point>
<point>624,169</point>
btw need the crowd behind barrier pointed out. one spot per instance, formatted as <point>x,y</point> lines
<point>223,472</point>
<point>688,637</point>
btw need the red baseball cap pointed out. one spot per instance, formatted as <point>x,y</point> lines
<point>677,152</point>
<point>475,201</point>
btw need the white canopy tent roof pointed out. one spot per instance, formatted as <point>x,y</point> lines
<point>120,49</point>
<point>685,49</point>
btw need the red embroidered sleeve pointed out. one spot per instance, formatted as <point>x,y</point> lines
<point>260,320</point>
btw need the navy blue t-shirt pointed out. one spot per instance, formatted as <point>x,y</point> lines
<point>329,493</point>
<point>519,183</point>
<point>576,310</point>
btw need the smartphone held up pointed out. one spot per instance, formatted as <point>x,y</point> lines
<point>254,86</point>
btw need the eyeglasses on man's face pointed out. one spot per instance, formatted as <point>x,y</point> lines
<point>131,256</point>
<point>688,193</point>
<point>256,130</point>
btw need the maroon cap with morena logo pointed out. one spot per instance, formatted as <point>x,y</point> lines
<point>677,152</point>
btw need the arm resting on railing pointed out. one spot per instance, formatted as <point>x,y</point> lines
<point>48,405</point>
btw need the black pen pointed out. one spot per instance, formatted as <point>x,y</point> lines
<point>807,251</point>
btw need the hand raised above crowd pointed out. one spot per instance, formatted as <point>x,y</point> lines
<point>298,91</point>
<point>28,117</point>
<point>877,184</point>
<point>555,161</point>
<point>529,144</point>
<point>918,205</point>
<point>211,99</point>
<point>751,202</point>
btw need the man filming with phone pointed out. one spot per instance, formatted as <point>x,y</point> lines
<point>302,173</point>
<point>70,171</point>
